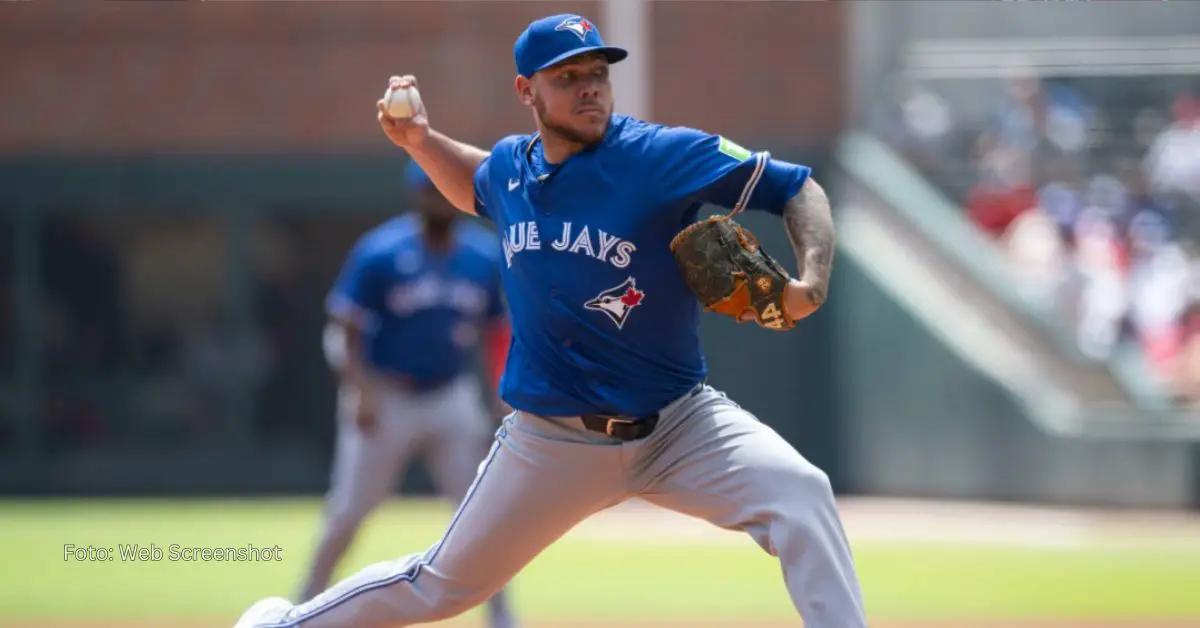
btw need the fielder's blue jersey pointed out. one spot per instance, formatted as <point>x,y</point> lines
<point>602,319</point>
<point>421,310</point>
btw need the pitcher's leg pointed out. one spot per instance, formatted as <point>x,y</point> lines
<point>716,461</point>
<point>536,483</point>
<point>365,467</point>
<point>453,452</point>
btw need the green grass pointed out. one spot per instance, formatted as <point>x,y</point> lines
<point>575,578</point>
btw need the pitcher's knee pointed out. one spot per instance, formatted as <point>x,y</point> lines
<point>806,483</point>
<point>805,505</point>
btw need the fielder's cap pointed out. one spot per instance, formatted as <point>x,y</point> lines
<point>415,178</point>
<point>550,40</point>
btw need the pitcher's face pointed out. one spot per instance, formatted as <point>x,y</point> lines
<point>572,99</point>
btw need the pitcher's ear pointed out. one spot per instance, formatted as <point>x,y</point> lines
<point>524,89</point>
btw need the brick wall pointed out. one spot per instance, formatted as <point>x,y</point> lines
<point>283,77</point>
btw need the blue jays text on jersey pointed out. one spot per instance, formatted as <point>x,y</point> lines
<point>602,320</point>
<point>603,246</point>
<point>421,310</point>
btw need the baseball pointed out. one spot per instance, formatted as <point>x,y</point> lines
<point>402,103</point>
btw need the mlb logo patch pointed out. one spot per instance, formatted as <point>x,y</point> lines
<point>733,149</point>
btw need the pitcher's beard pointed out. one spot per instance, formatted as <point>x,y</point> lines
<point>567,133</point>
<point>573,136</point>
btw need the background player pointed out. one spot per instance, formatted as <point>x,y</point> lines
<point>414,300</point>
<point>606,371</point>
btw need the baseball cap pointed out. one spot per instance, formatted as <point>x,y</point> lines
<point>556,38</point>
<point>415,178</point>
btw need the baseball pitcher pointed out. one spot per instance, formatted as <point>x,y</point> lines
<point>417,296</point>
<point>607,269</point>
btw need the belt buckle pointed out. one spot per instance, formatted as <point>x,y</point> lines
<point>611,421</point>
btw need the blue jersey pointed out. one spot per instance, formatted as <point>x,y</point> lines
<point>421,310</point>
<point>602,319</point>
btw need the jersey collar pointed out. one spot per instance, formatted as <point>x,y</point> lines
<point>533,142</point>
<point>613,122</point>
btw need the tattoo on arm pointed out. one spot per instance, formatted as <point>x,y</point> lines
<point>809,224</point>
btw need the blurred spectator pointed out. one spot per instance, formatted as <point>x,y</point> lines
<point>1004,191</point>
<point>1103,298</point>
<point>1037,116</point>
<point>1159,283</point>
<point>1064,195</point>
<point>1107,196</point>
<point>916,122</point>
<point>1173,163</point>
<point>1091,190</point>
<point>1037,252</point>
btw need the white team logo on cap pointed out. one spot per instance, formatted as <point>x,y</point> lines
<point>578,25</point>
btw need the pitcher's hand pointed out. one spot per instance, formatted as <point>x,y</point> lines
<point>406,133</point>
<point>366,414</point>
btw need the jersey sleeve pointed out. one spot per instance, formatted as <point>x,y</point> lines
<point>357,294</point>
<point>694,165</point>
<point>483,188</point>
<point>494,168</point>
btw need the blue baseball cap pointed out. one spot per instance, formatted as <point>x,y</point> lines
<point>415,178</point>
<point>557,38</point>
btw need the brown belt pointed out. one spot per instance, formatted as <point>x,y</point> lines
<point>621,428</point>
<point>627,428</point>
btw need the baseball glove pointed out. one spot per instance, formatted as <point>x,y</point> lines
<point>729,272</point>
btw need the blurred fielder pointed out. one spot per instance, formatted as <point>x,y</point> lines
<point>416,297</point>
<point>605,268</point>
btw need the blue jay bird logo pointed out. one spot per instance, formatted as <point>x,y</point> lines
<point>578,25</point>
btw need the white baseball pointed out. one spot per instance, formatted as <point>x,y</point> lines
<point>402,103</point>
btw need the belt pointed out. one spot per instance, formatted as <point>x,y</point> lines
<point>628,428</point>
